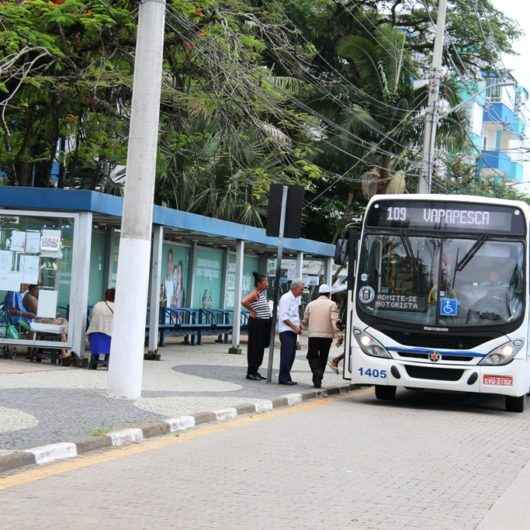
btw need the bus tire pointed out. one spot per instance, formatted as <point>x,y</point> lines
<point>515,404</point>
<point>385,393</point>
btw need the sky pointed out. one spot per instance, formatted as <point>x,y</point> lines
<point>520,11</point>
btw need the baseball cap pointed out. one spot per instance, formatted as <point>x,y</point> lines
<point>324,289</point>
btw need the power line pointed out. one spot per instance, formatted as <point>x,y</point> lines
<point>355,139</point>
<point>338,179</point>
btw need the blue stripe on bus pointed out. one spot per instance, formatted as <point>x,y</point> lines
<point>441,352</point>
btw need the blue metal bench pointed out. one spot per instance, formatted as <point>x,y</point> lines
<point>193,324</point>
<point>183,323</point>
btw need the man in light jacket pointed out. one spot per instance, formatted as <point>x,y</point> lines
<point>320,318</point>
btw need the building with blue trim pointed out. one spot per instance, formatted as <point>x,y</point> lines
<point>497,114</point>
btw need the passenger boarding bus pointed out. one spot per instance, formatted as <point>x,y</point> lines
<point>438,296</point>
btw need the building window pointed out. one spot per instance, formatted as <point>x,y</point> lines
<point>493,88</point>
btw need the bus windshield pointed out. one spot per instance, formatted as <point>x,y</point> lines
<point>441,282</point>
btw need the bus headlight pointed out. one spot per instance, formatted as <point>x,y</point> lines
<point>370,346</point>
<point>503,354</point>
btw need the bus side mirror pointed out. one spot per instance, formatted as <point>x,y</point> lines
<point>354,238</point>
<point>341,252</point>
<point>353,247</point>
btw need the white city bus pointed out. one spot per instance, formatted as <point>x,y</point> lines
<point>438,297</point>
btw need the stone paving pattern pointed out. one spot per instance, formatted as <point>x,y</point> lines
<point>42,404</point>
<point>426,462</point>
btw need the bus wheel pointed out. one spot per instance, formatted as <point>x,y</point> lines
<point>385,393</point>
<point>515,404</point>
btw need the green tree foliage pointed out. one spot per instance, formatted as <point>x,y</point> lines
<point>319,93</point>
<point>72,95</point>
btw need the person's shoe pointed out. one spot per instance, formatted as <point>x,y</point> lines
<point>317,383</point>
<point>288,383</point>
<point>253,377</point>
<point>260,377</point>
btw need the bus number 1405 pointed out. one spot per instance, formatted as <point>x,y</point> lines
<point>373,372</point>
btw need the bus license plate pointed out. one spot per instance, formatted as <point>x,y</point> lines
<point>499,380</point>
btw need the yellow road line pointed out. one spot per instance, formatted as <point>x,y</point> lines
<point>109,455</point>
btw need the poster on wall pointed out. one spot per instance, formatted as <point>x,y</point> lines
<point>174,282</point>
<point>47,306</point>
<point>32,242</point>
<point>230,289</point>
<point>208,274</point>
<point>311,281</point>
<point>29,267</point>
<point>6,261</point>
<point>10,281</point>
<point>50,241</point>
<point>18,241</point>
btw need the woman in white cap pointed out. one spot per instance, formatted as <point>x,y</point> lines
<point>320,318</point>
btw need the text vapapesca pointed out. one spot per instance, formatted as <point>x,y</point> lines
<point>456,217</point>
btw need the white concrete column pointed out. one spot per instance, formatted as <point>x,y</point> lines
<point>238,295</point>
<point>191,274</point>
<point>329,271</point>
<point>154,295</point>
<point>300,266</point>
<point>80,283</point>
<point>128,338</point>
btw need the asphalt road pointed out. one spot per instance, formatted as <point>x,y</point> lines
<point>428,461</point>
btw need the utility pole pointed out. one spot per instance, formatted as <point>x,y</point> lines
<point>279,256</point>
<point>431,120</point>
<point>127,350</point>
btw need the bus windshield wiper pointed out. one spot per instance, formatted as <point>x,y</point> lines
<point>406,245</point>
<point>461,265</point>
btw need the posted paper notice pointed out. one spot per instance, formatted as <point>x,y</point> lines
<point>29,267</point>
<point>32,242</point>
<point>51,241</point>
<point>18,241</point>
<point>6,261</point>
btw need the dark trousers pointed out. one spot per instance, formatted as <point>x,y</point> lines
<point>317,355</point>
<point>287,355</point>
<point>259,338</point>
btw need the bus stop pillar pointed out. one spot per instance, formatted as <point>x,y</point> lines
<point>80,282</point>
<point>107,262</point>
<point>299,266</point>
<point>154,295</point>
<point>236,322</point>
<point>329,271</point>
<point>225,273</point>
<point>191,274</point>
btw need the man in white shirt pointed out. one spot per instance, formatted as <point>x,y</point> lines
<point>290,327</point>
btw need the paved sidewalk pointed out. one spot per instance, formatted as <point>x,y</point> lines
<point>42,404</point>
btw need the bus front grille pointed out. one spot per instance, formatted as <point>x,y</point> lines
<point>439,374</point>
<point>444,356</point>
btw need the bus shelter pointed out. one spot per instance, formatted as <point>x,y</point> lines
<point>67,243</point>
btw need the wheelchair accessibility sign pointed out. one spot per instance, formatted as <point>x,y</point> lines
<point>449,307</point>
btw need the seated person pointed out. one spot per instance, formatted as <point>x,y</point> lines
<point>19,313</point>
<point>100,330</point>
<point>31,301</point>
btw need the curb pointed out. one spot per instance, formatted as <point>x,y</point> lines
<point>47,454</point>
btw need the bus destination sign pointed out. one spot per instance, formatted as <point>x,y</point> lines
<point>447,217</point>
